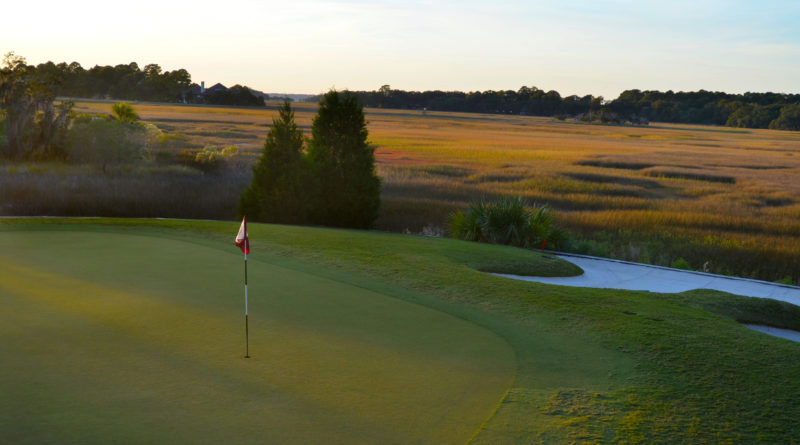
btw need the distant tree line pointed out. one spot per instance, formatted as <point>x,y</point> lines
<point>527,100</point>
<point>748,110</point>
<point>751,110</point>
<point>130,82</point>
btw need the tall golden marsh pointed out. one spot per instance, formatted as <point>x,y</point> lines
<point>713,189</point>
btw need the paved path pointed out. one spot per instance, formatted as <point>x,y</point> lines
<point>614,274</point>
<point>777,332</point>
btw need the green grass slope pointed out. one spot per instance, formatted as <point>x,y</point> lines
<point>127,338</point>
<point>584,365</point>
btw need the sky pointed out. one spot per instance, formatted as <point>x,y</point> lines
<point>308,46</point>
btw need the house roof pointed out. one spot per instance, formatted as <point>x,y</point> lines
<point>217,87</point>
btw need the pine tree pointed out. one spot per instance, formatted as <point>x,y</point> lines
<point>346,189</point>
<point>278,193</point>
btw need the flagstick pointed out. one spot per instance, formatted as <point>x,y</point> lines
<point>246,329</point>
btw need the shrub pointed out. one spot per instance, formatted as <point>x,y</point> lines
<point>466,226</point>
<point>171,142</point>
<point>124,112</point>
<point>680,263</point>
<point>150,136</point>
<point>105,142</point>
<point>211,159</point>
<point>544,231</point>
<point>507,221</point>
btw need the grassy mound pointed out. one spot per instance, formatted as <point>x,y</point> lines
<point>588,365</point>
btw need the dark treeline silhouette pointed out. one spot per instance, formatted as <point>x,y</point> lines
<point>751,110</point>
<point>130,82</point>
<point>527,100</point>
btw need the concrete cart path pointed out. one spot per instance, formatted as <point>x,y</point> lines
<point>615,274</point>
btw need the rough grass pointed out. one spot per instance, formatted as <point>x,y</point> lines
<point>592,366</point>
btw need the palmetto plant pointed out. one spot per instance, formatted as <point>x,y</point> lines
<point>124,112</point>
<point>509,221</point>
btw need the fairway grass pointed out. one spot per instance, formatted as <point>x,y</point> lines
<point>131,331</point>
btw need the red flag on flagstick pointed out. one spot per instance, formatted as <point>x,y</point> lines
<point>242,241</point>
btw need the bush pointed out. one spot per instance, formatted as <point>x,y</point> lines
<point>171,142</point>
<point>680,263</point>
<point>124,112</point>
<point>212,159</point>
<point>105,142</point>
<point>507,221</point>
<point>466,226</point>
<point>150,135</point>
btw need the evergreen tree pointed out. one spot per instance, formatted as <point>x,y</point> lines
<point>347,190</point>
<point>278,193</point>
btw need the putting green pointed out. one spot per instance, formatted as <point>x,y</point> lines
<point>118,336</point>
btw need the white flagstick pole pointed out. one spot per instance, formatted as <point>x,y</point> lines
<point>246,329</point>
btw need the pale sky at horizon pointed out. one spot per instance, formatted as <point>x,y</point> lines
<point>306,46</point>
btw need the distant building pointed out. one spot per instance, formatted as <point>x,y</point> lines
<point>215,88</point>
<point>197,93</point>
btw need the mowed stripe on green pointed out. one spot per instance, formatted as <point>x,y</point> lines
<point>118,337</point>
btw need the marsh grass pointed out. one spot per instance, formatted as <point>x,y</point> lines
<point>618,165</point>
<point>173,191</point>
<point>665,173</point>
<point>730,192</point>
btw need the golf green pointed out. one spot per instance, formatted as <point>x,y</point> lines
<point>120,336</point>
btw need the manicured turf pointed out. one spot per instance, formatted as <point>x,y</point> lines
<point>122,337</point>
<point>365,338</point>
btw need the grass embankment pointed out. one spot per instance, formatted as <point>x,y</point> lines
<point>590,365</point>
